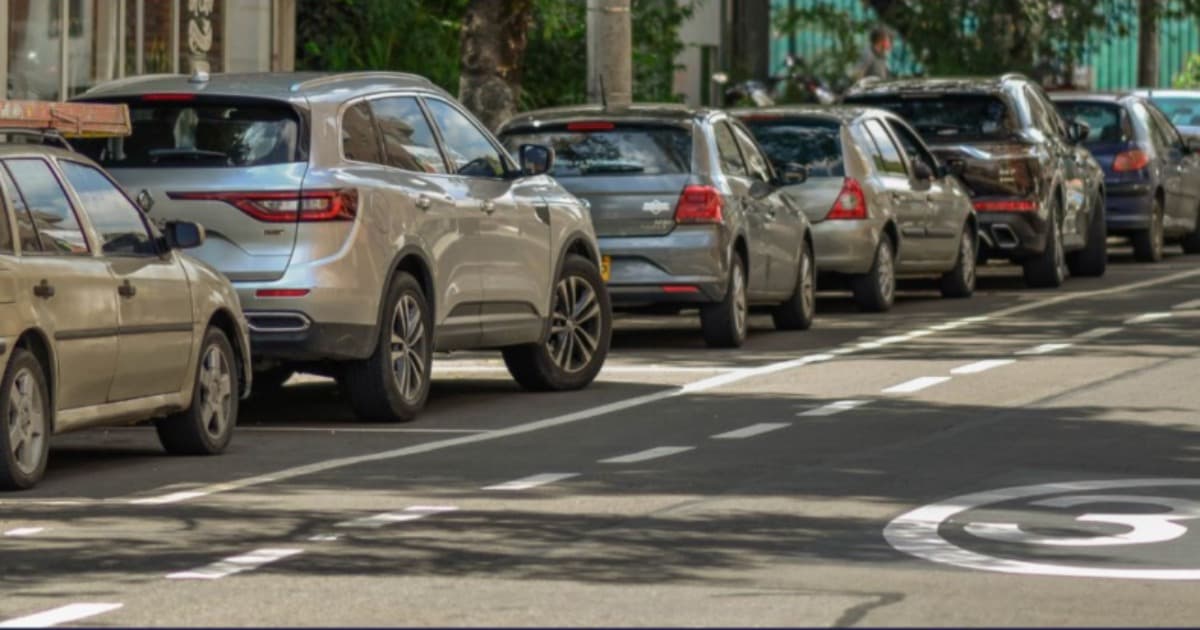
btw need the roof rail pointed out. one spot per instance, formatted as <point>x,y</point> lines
<point>134,80</point>
<point>47,136</point>
<point>355,76</point>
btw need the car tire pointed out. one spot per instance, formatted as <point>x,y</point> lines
<point>798,311</point>
<point>1048,270</point>
<point>875,291</point>
<point>1148,243</point>
<point>25,408</point>
<point>576,338</point>
<point>724,323</point>
<point>270,381</point>
<point>1092,260</point>
<point>959,282</point>
<point>1191,241</point>
<point>206,426</point>
<point>393,383</point>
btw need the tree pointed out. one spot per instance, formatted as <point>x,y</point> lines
<point>494,38</point>
<point>1147,68</point>
<point>750,53</point>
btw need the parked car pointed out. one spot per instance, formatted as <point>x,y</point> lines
<point>1038,193</point>
<point>1151,175</point>
<point>366,220</point>
<point>1182,107</point>
<point>688,210</point>
<point>880,204</point>
<point>102,320</point>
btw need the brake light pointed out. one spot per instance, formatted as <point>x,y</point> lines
<point>284,206</point>
<point>590,126</point>
<point>171,97</point>
<point>699,204</point>
<point>281,293</point>
<point>1007,205</point>
<point>850,204</point>
<point>1134,160</point>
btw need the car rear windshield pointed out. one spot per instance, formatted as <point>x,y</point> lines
<point>810,142</point>
<point>950,116</point>
<point>1183,112</point>
<point>621,150</point>
<point>172,134</point>
<point>1106,121</point>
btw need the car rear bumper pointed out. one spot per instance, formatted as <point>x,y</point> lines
<point>1013,235</point>
<point>1129,207</point>
<point>845,247</point>
<point>688,266</point>
<point>292,336</point>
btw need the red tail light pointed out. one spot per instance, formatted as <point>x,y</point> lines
<point>1007,205</point>
<point>590,126</point>
<point>699,204</point>
<point>850,204</point>
<point>281,293</point>
<point>1134,160</point>
<point>285,207</point>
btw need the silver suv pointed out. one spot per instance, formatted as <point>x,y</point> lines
<point>102,321</point>
<point>366,220</point>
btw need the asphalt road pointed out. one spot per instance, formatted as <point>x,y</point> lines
<point>1021,458</point>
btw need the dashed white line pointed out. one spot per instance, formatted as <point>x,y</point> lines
<point>1045,348</point>
<point>916,385</point>
<point>833,408</point>
<point>24,531</point>
<point>531,481</point>
<point>1147,317</point>
<point>1186,306</point>
<point>1097,333</point>
<point>752,430</point>
<point>981,366</point>
<point>62,614</point>
<point>650,453</point>
<point>407,514</point>
<point>235,564</point>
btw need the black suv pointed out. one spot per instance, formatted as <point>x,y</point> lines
<point>1023,165</point>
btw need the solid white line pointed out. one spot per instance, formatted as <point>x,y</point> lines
<point>324,537</point>
<point>532,481</point>
<point>25,531</point>
<point>833,408</point>
<point>354,430</point>
<point>1045,348</point>
<point>981,366</point>
<point>1189,305</point>
<point>408,514</point>
<point>752,430</point>
<point>1147,317</point>
<point>173,497</point>
<point>62,614</point>
<point>916,385</point>
<point>608,368</point>
<point>1097,333</point>
<point>650,453</point>
<point>235,564</point>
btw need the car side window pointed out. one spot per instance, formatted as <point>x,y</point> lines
<point>888,159</point>
<point>1157,137</point>
<point>727,151</point>
<point>26,233</point>
<point>6,240</point>
<point>912,145</point>
<point>1169,133</point>
<point>408,140</point>
<point>45,203</point>
<point>468,150</point>
<point>755,162</point>
<point>359,140</point>
<point>119,223</point>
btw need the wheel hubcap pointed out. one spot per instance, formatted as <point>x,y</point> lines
<point>26,420</point>
<point>408,346</point>
<point>887,279</point>
<point>739,301</point>
<point>575,324</point>
<point>968,259</point>
<point>808,284</point>
<point>216,392</point>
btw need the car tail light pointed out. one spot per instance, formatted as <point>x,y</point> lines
<point>281,293</point>
<point>1007,205</point>
<point>590,126</point>
<point>285,207</point>
<point>850,204</point>
<point>1134,160</point>
<point>170,97</point>
<point>699,204</point>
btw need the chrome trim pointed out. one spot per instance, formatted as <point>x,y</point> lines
<point>306,323</point>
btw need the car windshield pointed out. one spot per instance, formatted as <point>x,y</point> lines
<point>621,150</point>
<point>1183,112</point>
<point>809,142</point>
<point>949,115</point>
<point>201,134</point>
<point>1105,120</point>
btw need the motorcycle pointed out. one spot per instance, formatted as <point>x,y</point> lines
<point>797,84</point>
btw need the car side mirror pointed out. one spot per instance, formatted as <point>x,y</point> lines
<point>792,174</point>
<point>536,159</point>
<point>1078,131</point>
<point>183,234</point>
<point>922,172</point>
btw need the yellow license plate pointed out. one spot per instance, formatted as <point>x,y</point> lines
<point>605,267</point>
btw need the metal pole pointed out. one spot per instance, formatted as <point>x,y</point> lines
<point>4,26</point>
<point>610,51</point>
<point>64,48</point>
<point>139,28</point>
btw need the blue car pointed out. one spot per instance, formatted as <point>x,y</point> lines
<point>1151,174</point>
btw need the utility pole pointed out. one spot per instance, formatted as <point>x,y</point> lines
<point>609,52</point>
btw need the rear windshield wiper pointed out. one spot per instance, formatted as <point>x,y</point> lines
<point>187,156</point>
<point>611,168</point>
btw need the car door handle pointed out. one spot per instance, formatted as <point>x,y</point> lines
<point>43,289</point>
<point>488,206</point>
<point>126,290</point>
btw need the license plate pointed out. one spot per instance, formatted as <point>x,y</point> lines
<point>605,267</point>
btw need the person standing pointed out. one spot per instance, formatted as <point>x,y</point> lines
<point>874,60</point>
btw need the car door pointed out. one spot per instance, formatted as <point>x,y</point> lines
<point>1178,163</point>
<point>739,203</point>
<point>911,206</point>
<point>71,290</point>
<point>514,237</point>
<point>1067,160</point>
<point>946,203</point>
<point>154,307</point>
<point>782,223</point>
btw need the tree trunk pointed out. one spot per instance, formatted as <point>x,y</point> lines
<point>1148,12</point>
<point>750,49</point>
<point>494,35</point>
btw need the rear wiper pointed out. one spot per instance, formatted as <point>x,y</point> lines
<point>612,168</point>
<point>158,156</point>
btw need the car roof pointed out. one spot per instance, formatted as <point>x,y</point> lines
<point>834,113</point>
<point>981,85</point>
<point>1095,97</point>
<point>10,149</point>
<point>290,86</point>
<point>641,112</point>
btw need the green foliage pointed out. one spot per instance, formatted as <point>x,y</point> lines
<point>1189,77</point>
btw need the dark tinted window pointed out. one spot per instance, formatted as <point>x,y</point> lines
<point>727,151</point>
<point>888,159</point>
<point>1182,111</point>
<point>118,222</point>
<point>48,208</point>
<point>408,140</point>
<point>755,161</point>
<point>201,134</point>
<point>949,116</point>
<point>359,140</point>
<point>468,149</point>
<point>632,150</point>
<point>26,233</point>
<point>1168,131</point>
<point>810,142</point>
<point>6,242</point>
<point>1106,122</point>
<point>911,145</point>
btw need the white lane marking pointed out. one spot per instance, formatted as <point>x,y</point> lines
<point>752,430</point>
<point>981,366</point>
<point>242,429</point>
<point>1097,333</point>
<point>532,481</point>
<point>1045,348</point>
<point>833,408</point>
<point>1185,306</point>
<point>650,453</point>
<point>916,385</point>
<point>235,564</point>
<point>612,369</point>
<point>637,401</point>
<point>1147,317</point>
<point>62,614</point>
<point>324,538</point>
<point>408,514</point>
<point>173,497</point>
<point>24,531</point>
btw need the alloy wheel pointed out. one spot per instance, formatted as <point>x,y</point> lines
<point>216,392</point>
<point>408,345</point>
<point>808,283</point>
<point>967,252</point>
<point>887,274</point>
<point>575,325</point>
<point>26,419</point>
